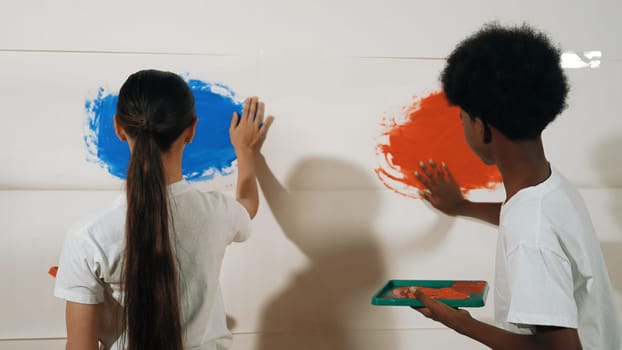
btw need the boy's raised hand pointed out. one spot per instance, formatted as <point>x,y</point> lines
<point>442,190</point>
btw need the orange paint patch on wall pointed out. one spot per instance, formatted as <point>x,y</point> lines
<point>431,129</point>
<point>53,271</point>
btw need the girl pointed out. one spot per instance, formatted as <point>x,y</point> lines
<point>145,274</point>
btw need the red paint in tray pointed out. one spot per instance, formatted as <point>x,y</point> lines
<point>460,290</point>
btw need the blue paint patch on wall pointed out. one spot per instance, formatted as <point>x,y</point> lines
<point>210,152</point>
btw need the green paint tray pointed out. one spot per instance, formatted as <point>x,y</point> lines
<point>472,293</point>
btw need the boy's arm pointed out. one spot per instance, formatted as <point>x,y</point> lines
<point>550,338</point>
<point>443,193</point>
<point>248,133</point>
<point>484,211</point>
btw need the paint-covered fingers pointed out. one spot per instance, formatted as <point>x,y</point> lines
<point>440,189</point>
<point>429,175</point>
<point>424,299</point>
<point>249,131</point>
<point>424,181</point>
<point>238,120</point>
<point>252,114</point>
<point>433,307</point>
<point>450,177</point>
<point>259,115</point>
<point>436,175</point>
<point>234,122</point>
<point>441,312</point>
<point>429,305</point>
<point>427,195</point>
<point>435,169</point>
<point>432,170</point>
<point>263,131</point>
<point>252,108</point>
<point>428,171</point>
<point>247,106</point>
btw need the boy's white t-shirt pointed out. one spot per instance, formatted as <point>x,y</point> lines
<point>204,224</point>
<point>550,269</point>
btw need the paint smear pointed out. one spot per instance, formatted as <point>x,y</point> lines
<point>210,152</point>
<point>430,129</point>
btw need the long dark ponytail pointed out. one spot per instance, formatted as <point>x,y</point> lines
<point>154,108</point>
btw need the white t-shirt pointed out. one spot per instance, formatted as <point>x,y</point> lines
<point>204,224</point>
<point>550,270</point>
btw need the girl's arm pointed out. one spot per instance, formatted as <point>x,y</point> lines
<point>83,325</point>
<point>248,133</point>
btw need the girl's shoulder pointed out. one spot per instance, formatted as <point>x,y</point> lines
<point>101,228</point>
<point>207,199</point>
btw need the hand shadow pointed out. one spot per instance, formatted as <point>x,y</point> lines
<point>333,229</point>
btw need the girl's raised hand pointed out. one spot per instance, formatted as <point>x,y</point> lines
<point>248,132</point>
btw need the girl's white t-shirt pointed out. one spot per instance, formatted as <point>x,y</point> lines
<point>550,269</point>
<point>204,223</point>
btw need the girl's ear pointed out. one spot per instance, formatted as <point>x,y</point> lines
<point>191,130</point>
<point>119,130</point>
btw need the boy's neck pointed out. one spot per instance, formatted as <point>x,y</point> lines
<point>522,164</point>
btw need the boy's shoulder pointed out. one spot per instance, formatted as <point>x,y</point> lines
<point>547,197</point>
<point>550,216</point>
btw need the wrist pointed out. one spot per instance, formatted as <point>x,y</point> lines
<point>245,153</point>
<point>462,207</point>
<point>459,321</point>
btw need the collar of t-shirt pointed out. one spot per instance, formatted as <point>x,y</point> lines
<point>178,187</point>
<point>545,185</point>
<point>174,189</point>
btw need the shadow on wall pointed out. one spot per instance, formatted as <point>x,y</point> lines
<point>613,257</point>
<point>333,229</point>
<point>607,162</point>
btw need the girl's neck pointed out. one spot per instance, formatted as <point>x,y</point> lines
<point>171,164</point>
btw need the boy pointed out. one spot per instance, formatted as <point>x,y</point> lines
<point>551,285</point>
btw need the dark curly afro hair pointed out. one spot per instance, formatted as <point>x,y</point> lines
<point>511,78</point>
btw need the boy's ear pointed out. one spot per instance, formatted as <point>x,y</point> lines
<point>119,130</point>
<point>483,130</point>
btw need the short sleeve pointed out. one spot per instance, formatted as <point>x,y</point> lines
<point>241,220</point>
<point>542,291</point>
<point>77,278</point>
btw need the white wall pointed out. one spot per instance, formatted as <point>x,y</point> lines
<point>328,233</point>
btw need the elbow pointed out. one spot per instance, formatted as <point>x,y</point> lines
<point>251,206</point>
<point>252,212</point>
